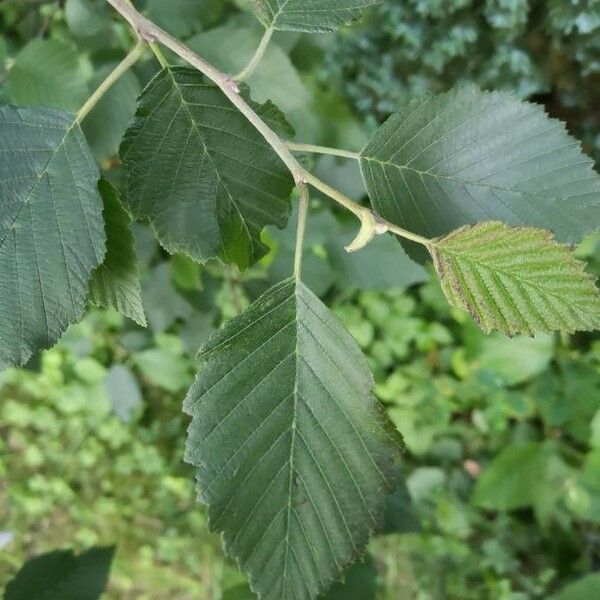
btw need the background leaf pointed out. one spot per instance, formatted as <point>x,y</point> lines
<point>582,589</point>
<point>291,452</point>
<point>309,15</point>
<point>115,283</point>
<point>516,280</point>
<point>468,156</point>
<point>199,171</point>
<point>48,73</point>
<point>62,574</point>
<point>106,124</point>
<point>51,228</point>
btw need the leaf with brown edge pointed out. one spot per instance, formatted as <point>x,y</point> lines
<point>516,279</point>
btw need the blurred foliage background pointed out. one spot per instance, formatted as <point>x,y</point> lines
<point>502,457</point>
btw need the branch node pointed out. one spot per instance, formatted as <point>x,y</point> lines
<point>231,84</point>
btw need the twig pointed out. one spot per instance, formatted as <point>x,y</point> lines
<point>147,30</point>
<point>112,78</point>
<point>257,57</point>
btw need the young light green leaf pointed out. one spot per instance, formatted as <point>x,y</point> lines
<point>48,73</point>
<point>468,156</point>
<point>516,280</point>
<point>51,228</point>
<point>115,283</point>
<point>292,452</point>
<point>61,574</point>
<point>197,169</point>
<point>311,16</point>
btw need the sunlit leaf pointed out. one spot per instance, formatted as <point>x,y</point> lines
<point>516,279</point>
<point>467,156</point>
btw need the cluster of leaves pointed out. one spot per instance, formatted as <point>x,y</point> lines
<point>291,450</point>
<point>462,401</point>
<point>405,49</point>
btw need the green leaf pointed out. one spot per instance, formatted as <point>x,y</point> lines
<point>516,478</point>
<point>468,156</point>
<point>48,73</point>
<point>199,171</point>
<point>115,283</point>
<point>292,452</point>
<point>106,124</point>
<point>61,574</point>
<point>516,280</point>
<point>51,228</point>
<point>311,16</point>
<point>586,588</point>
<point>123,391</point>
<point>513,360</point>
<point>181,18</point>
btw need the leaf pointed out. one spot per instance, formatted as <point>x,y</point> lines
<point>199,171</point>
<point>292,452</point>
<point>182,17</point>
<point>163,303</point>
<point>115,283</point>
<point>467,156</point>
<point>123,391</point>
<point>516,478</point>
<point>311,16</point>
<point>583,589</point>
<point>61,574</point>
<point>106,124</point>
<point>51,228</point>
<point>516,280</point>
<point>513,360</point>
<point>48,73</point>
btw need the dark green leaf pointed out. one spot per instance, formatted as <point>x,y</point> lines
<point>292,452</point>
<point>60,575</point>
<point>51,228</point>
<point>468,156</point>
<point>309,15</point>
<point>200,172</point>
<point>516,279</point>
<point>115,283</point>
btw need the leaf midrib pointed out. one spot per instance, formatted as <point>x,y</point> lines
<point>208,154</point>
<point>36,182</point>
<point>457,255</point>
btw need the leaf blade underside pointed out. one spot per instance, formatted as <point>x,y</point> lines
<point>292,452</point>
<point>199,171</point>
<point>516,280</point>
<point>468,156</point>
<point>51,228</point>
